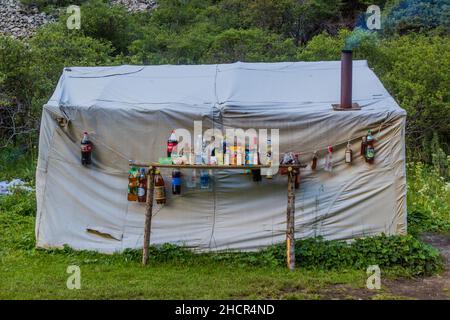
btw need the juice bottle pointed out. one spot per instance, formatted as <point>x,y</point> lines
<point>142,187</point>
<point>160,191</point>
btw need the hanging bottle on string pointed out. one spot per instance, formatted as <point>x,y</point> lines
<point>329,159</point>
<point>142,187</point>
<point>314,161</point>
<point>132,182</point>
<point>348,153</point>
<point>370,148</point>
<point>86,150</point>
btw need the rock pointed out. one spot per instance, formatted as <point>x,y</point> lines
<point>136,5</point>
<point>21,21</point>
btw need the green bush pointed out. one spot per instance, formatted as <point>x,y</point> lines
<point>113,24</point>
<point>20,202</point>
<point>407,16</point>
<point>414,69</point>
<point>406,252</point>
<point>405,255</point>
<point>249,45</point>
<point>428,200</point>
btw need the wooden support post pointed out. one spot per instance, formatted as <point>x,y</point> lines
<point>148,213</point>
<point>290,239</point>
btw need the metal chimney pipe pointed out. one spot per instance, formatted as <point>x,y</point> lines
<point>346,79</point>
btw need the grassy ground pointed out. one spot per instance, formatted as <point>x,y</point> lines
<point>38,274</point>
<point>29,273</point>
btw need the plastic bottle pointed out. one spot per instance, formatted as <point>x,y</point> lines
<point>198,150</point>
<point>171,143</point>
<point>132,183</point>
<point>86,150</point>
<point>176,181</point>
<point>204,179</point>
<point>191,182</point>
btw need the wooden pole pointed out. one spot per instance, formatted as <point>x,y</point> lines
<point>290,240</point>
<point>148,213</point>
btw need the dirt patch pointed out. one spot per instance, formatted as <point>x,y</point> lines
<point>429,288</point>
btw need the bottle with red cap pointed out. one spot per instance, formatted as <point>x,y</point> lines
<point>171,143</point>
<point>86,150</point>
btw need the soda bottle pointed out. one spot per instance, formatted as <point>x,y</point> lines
<point>160,190</point>
<point>176,182</point>
<point>86,149</point>
<point>132,183</point>
<point>171,143</point>
<point>142,187</point>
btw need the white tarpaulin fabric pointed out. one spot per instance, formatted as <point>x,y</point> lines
<point>129,112</point>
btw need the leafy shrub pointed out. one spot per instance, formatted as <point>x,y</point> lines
<point>18,203</point>
<point>417,16</point>
<point>113,24</point>
<point>406,252</point>
<point>414,69</point>
<point>249,45</point>
<point>428,200</point>
<point>18,162</point>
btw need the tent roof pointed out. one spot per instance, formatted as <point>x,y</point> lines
<point>301,84</point>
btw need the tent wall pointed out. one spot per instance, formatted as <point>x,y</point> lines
<point>353,201</point>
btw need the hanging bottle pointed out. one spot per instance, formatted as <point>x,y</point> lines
<point>160,190</point>
<point>314,161</point>
<point>191,181</point>
<point>142,187</point>
<point>348,153</point>
<point>86,150</point>
<point>329,159</point>
<point>132,183</point>
<point>176,181</point>
<point>363,146</point>
<point>204,179</point>
<point>370,149</point>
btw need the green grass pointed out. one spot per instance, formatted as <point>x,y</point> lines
<point>327,269</point>
<point>29,273</point>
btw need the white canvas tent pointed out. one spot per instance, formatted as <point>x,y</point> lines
<point>129,112</point>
